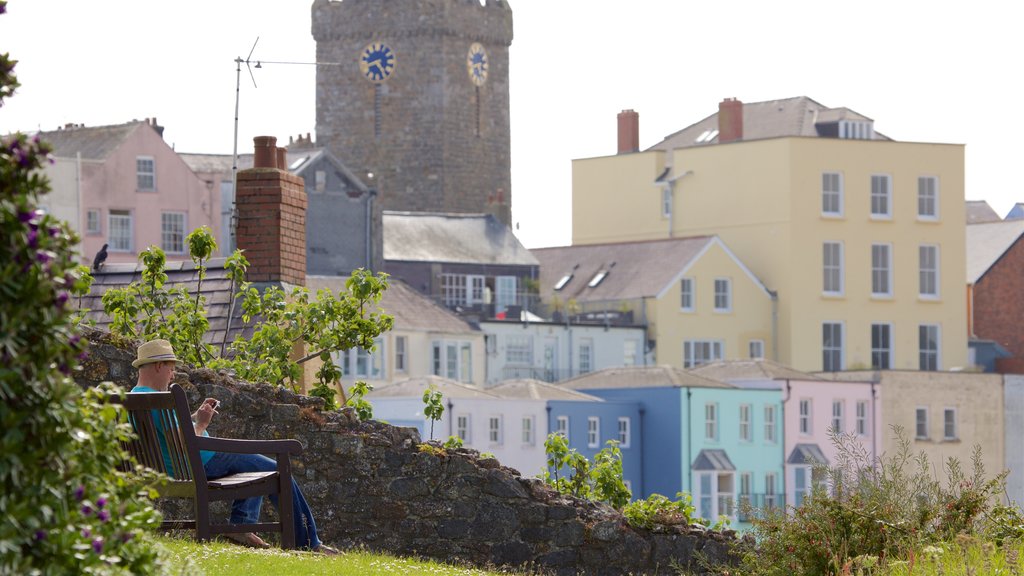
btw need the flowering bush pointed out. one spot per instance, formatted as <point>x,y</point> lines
<point>65,507</point>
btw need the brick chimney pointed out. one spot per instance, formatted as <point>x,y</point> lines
<point>272,218</point>
<point>629,132</point>
<point>730,120</point>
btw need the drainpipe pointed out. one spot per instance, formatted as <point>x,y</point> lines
<point>371,193</point>
<point>642,444</point>
<point>874,428</point>
<point>670,184</point>
<point>775,325</point>
<point>689,441</point>
<point>451,417</point>
<point>782,440</point>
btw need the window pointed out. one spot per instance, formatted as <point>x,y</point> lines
<point>453,360</point>
<point>92,222</point>
<point>362,363</point>
<point>769,490</point>
<point>723,295</point>
<point>528,430</point>
<point>801,485</point>
<point>921,423</point>
<point>597,279</point>
<point>593,432</point>
<point>686,294</point>
<point>832,194</point>
<point>145,174</point>
<point>862,418</point>
<point>519,350</point>
<point>172,232</point>
<point>881,196</point>
<point>624,432</point>
<point>462,427</point>
<point>928,277</point>
<point>837,416</point>
<point>928,344</point>
<point>711,421</point>
<point>928,197</point>
<point>462,289</point>
<point>881,273</point>
<point>321,180</point>
<point>121,231</point>
<point>629,353</point>
<point>756,349</point>
<point>805,415</point>
<point>563,281</point>
<point>562,426</point>
<point>769,423</point>
<point>494,429</point>
<point>401,361</point>
<point>881,346</point>
<point>586,361</point>
<point>746,479</point>
<point>832,346</point>
<point>697,352</point>
<point>746,432</point>
<point>832,268</point>
<point>949,431</point>
<point>666,201</point>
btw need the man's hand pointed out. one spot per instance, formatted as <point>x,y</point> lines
<point>204,414</point>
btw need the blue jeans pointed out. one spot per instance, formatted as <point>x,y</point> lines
<point>247,511</point>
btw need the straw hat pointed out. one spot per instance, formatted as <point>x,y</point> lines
<point>155,351</point>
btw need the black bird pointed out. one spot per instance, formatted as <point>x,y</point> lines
<point>99,259</point>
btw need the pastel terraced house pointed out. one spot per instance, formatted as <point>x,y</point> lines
<point>860,236</point>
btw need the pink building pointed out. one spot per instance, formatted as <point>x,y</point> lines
<point>131,190</point>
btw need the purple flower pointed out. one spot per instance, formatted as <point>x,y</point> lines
<point>86,533</point>
<point>86,510</point>
<point>54,231</point>
<point>126,536</point>
<point>44,256</point>
<point>83,356</point>
<point>97,545</point>
<point>101,502</point>
<point>80,492</point>
<point>103,515</point>
<point>33,239</point>
<point>40,534</point>
<point>26,217</point>
<point>73,341</point>
<point>62,299</point>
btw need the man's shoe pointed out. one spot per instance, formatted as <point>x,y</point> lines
<point>247,539</point>
<point>326,550</point>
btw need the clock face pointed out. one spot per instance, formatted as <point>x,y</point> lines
<point>477,63</point>
<point>377,62</point>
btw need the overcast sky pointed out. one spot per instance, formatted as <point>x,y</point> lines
<point>932,71</point>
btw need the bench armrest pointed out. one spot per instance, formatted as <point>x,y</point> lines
<point>248,446</point>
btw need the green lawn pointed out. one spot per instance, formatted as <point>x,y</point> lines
<point>188,557</point>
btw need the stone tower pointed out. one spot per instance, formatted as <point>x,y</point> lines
<point>420,98</point>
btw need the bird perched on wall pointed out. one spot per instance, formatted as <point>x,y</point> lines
<point>99,259</point>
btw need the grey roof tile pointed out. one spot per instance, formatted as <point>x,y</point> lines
<point>93,143</point>
<point>452,238</point>
<point>986,244</point>
<point>729,370</point>
<point>527,388</point>
<point>641,377</point>
<point>979,212</point>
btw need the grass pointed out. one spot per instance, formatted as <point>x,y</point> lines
<point>190,558</point>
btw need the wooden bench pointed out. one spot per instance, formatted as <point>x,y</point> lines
<point>156,415</point>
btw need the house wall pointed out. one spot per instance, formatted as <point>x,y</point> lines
<point>338,222</point>
<point>998,307</point>
<point>1013,398</point>
<point>62,201</point>
<point>609,412</point>
<point>615,199</point>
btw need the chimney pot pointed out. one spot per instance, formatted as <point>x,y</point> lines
<point>629,131</point>
<point>265,153</point>
<point>282,158</point>
<point>730,120</point>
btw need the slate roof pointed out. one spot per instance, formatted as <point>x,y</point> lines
<point>527,388</point>
<point>986,244</point>
<point>761,369</point>
<point>221,163</point>
<point>414,388</point>
<point>412,310</point>
<point>806,454</point>
<point>979,212</point>
<point>451,238</point>
<point>635,269</point>
<point>769,119</point>
<point>641,377</point>
<point>94,143</point>
<point>712,459</point>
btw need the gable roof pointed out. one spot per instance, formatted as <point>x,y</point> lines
<point>979,212</point>
<point>527,388</point>
<point>641,377</point>
<point>759,369</point>
<point>713,459</point>
<point>453,238</point>
<point>796,116</point>
<point>1016,212</point>
<point>806,454</point>
<point>93,143</point>
<point>414,388</point>
<point>986,244</point>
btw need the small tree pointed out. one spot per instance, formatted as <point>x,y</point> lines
<point>433,408</point>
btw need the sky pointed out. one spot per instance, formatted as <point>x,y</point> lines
<point>935,71</point>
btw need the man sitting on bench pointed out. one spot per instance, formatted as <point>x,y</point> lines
<point>156,361</point>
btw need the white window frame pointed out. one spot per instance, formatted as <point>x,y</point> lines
<point>593,431</point>
<point>359,363</point>
<point>881,271</point>
<point>320,180</point>
<point>829,349</point>
<point>453,359</point>
<point>401,354</point>
<point>494,430</point>
<point>173,241</point>
<point>838,416</point>
<point>882,349</point>
<point>769,424</point>
<point>948,435</point>
<point>624,431</point>
<point>666,201</point>
<point>113,241</point>
<point>934,354</point>
<point>519,350</point>
<point>528,427</point>
<point>93,224</point>
<point>562,426</point>
<point>756,349</point>
<point>770,487</point>
<point>463,427</point>
<point>586,356</point>
<point>921,424</point>
<point>746,423</point>
<point>723,295</point>
<point>629,349</point>
<point>928,272</point>
<point>687,295</point>
<point>805,416</point>
<point>862,417</point>
<point>832,192</point>
<point>697,352</point>
<point>145,179</point>
<point>881,198</point>
<point>832,268</point>
<point>711,421</point>
<point>928,194</point>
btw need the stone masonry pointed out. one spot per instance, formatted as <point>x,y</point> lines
<point>375,486</point>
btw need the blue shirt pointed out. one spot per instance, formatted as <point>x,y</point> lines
<point>204,455</point>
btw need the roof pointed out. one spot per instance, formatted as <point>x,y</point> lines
<point>806,454</point>
<point>528,388</point>
<point>1016,212</point>
<point>93,143</point>
<point>221,163</point>
<point>986,244</point>
<point>641,377</point>
<point>414,388</point>
<point>712,459</point>
<point>979,212</point>
<point>634,270</point>
<point>412,311</point>
<point>453,238</point>
<point>769,119</point>
<point>759,369</point>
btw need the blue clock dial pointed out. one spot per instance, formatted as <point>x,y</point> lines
<point>377,62</point>
<point>477,64</point>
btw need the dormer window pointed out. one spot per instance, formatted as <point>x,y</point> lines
<point>856,130</point>
<point>565,280</point>
<point>597,278</point>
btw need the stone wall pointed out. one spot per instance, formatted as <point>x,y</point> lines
<point>372,485</point>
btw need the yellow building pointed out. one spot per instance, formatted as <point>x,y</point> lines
<point>861,237</point>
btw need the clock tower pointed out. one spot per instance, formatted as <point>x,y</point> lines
<point>419,96</point>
